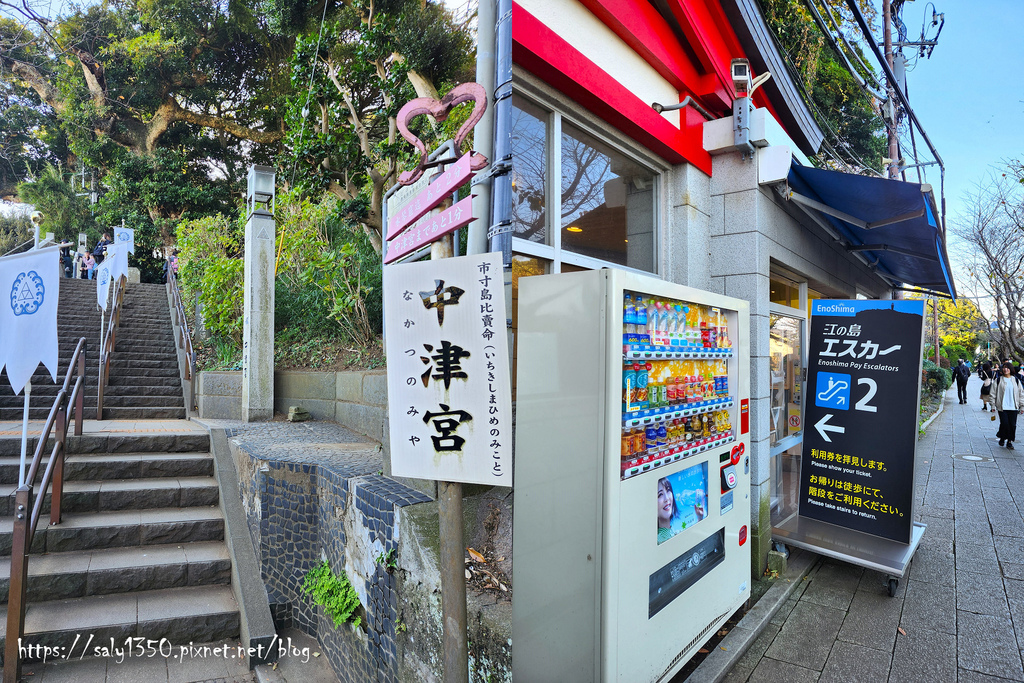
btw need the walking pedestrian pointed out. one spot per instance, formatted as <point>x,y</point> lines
<point>961,373</point>
<point>1010,402</point>
<point>986,375</point>
<point>88,263</point>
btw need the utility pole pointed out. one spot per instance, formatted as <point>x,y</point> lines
<point>894,148</point>
<point>935,326</point>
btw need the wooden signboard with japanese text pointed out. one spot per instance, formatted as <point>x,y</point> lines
<point>449,396</point>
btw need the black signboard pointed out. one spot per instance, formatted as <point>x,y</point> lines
<point>860,415</point>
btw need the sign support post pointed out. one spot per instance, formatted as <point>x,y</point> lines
<point>452,556</point>
<point>464,379</point>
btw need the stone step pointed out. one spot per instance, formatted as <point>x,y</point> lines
<point>155,366</point>
<point>107,466</point>
<point>144,413</point>
<point>170,389</point>
<point>102,443</point>
<point>142,380</point>
<point>147,400</point>
<point>60,576</point>
<point>176,616</point>
<point>125,494</point>
<point>165,412</point>
<point>122,528</point>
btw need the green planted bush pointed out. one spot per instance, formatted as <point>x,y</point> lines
<point>334,593</point>
<point>934,379</point>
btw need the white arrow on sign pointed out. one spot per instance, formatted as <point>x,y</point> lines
<point>823,426</point>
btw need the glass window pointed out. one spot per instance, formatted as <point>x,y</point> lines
<point>784,291</point>
<point>529,170</point>
<point>786,375</point>
<point>785,484</point>
<point>607,203</point>
<point>811,296</point>
<point>522,266</point>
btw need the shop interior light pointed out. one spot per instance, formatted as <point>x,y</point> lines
<point>573,228</point>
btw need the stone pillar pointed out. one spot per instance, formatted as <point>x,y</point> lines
<point>258,321</point>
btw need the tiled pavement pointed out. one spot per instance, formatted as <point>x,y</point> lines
<point>958,615</point>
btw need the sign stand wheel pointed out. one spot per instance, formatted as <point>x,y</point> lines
<point>891,584</point>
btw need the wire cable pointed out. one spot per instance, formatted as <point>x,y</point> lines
<point>309,93</point>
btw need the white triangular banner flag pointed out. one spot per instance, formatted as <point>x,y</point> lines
<point>117,255</point>
<point>102,275</point>
<point>125,235</point>
<point>30,286</point>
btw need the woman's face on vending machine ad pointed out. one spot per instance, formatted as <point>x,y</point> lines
<point>666,504</point>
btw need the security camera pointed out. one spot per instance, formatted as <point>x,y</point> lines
<point>740,70</point>
<point>743,81</point>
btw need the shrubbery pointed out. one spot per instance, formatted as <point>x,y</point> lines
<point>934,379</point>
<point>328,277</point>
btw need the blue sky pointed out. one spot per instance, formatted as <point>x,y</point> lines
<point>969,96</point>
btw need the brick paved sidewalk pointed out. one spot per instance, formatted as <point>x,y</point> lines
<point>959,613</point>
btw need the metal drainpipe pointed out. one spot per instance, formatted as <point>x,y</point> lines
<point>501,185</point>
<point>483,134</point>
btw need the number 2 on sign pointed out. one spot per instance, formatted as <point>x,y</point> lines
<point>872,389</point>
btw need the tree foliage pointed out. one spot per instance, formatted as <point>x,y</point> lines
<point>993,228</point>
<point>848,113</point>
<point>341,120</point>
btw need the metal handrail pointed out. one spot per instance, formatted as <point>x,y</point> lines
<point>25,243</point>
<point>185,336</point>
<point>108,343</point>
<point>24,528</point>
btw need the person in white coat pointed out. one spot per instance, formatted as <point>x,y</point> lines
<point>1009,401</point>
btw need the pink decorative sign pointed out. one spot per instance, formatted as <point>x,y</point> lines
<point>454,176</point>
<point>439,109</point>
<point>431,228</point>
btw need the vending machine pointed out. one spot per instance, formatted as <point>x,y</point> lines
<point>632,475</point>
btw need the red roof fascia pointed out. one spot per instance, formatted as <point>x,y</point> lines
<point>545,54</point>
<point>640,26</point>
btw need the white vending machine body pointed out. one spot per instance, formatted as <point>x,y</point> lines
<point>629,551</point>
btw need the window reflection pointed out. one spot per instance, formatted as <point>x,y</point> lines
<point>607,203</point>
<point>785,485</point>
<point>529,170</point>
<point>786,374</point>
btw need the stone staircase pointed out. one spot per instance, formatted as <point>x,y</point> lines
<point>140,552</point>
<point>144,380</point>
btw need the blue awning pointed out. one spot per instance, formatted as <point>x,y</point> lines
<point>893,223</point>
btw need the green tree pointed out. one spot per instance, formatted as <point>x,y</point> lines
<point>848,113</point>
<point>373,58</point>
<point>65,214</point>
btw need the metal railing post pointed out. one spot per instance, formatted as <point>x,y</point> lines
<point>17,586</point>
<point>57,484</point>
<point>80,399</point>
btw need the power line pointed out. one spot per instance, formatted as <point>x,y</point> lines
<point>309,93</point>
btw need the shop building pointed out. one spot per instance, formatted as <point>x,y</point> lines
<point>601,179</point>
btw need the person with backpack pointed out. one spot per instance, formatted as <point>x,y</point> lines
<point>986,375</point>
<point>1009,401</point>
<point>961,373</point>
<point>99,252</point>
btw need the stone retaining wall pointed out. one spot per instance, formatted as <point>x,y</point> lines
<point>327,501</point>
<point>356,399</point>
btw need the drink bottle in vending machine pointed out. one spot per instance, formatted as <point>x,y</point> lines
<point>632,475</point>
